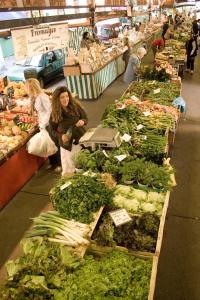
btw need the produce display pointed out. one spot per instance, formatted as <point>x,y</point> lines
<point>97,56</point>
<point>48,271</point>
<point>160,92</point>
<point>154,73</point>
<point>139,201</point>
<point>80,196</point>
<point>58,229</point>
<point>140,234</point>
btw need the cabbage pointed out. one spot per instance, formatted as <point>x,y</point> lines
<point>156,197</point>
<point>123,189</point>
<point>148,207</point>
<point>140,195</point>
<point>129,204</point>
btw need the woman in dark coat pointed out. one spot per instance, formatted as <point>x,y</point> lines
<point>67,121</point>
<point>191,50</point>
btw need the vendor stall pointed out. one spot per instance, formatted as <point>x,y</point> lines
<point>90,86</point>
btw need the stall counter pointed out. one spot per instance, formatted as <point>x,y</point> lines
<point>91,86</point>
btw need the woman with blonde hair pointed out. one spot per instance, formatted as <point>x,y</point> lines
<point>40,103</point>
<point>67,120</point>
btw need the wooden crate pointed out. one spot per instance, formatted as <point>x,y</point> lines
<point>101,251</point>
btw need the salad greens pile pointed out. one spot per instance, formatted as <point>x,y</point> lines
<point>47,271</point>
<point>140,234</point>
<point>80,196</point>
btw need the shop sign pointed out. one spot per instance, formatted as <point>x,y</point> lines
<point>32,41</point>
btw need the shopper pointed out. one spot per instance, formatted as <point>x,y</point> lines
<point>131,73</point>
<point>157,44</point>
<point>169,33</point>
<point>67,121</point>
<point>127,53</point>
<point>86,40</point>
<point>40,103</point>
<point>191,50</point>
<point>164,30</point>
<point>195,29</point>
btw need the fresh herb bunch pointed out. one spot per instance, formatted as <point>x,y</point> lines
<point>84,196</point>
<point>152,73</point>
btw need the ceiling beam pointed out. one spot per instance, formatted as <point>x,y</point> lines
<point>40,20</point>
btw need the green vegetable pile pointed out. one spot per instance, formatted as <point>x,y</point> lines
<point>137,170</point>
<point>47,271</point>
<point>140,234</point>
<point>144,90</point>
<point>151,73</point>
<point>81,198</point>
<point>138,201</point>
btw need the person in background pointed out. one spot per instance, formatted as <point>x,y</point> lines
<point>164,30</point>
<point>191,51</point>
<point>86,40</point>
<point>195,29</point>
<point>157,44</point>
<point>170,20</point>
<point>169,33</point>
<point>131,73</point>
<point>67,121</point>
<point>127,53</point>
<point>40,103</point>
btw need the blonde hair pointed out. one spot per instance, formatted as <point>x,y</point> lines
<point>34,87</point>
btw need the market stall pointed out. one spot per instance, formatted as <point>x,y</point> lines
<point>89,80</point>
<point>16,128</point>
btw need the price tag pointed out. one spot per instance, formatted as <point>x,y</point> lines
<point>134,98</point>
<point>126,137</point>
<point>157,91</point>
<point>88,173</point>
<point>120,157</point>
<point>146,113</point>
<point>140,126</point>
<point>120,216</point>
<point>104,152</point>
<point>64,186</point>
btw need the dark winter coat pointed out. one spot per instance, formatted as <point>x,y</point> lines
<point>191,48</point>
<point>69,120</point>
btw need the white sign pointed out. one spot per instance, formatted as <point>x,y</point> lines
<point>157,91</point>
<point>33,41</point>
<point>146,113</point>
<point>65,185</point>
<point>120,157</point>
<point>126,137</point>
<point>140,126</point>
<point>120,216</point>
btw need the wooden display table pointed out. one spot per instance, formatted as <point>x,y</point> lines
<point>91,86</point>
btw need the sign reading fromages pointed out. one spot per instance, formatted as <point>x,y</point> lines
<point>33,41</point>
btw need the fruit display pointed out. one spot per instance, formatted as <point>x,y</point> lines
<point>18,89</point>
<point>12,135</point>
